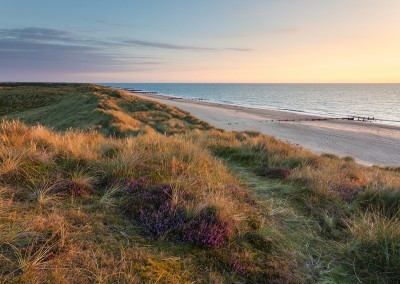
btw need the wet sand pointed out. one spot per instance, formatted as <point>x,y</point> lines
<point>368,142</point>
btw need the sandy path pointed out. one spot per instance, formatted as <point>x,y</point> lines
<point>369,143</point>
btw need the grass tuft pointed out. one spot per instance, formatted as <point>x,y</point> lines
<point>374,248</point>
<point>275,173</point>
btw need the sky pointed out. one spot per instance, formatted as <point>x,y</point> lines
<point>232,41</point>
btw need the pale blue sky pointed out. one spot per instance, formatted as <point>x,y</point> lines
<point>200,41</point>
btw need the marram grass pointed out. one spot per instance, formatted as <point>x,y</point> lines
<point>124,190</point>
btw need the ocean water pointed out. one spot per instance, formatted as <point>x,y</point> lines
<point>381,101</point>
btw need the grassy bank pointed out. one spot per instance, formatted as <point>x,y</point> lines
<point>91,107</point>
<point>139,192</point>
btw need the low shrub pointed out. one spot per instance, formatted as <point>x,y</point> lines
<point>258,241</point>
<point>242,194</point>
<point>147,198</point>
<point>151,207</point>
<point>348,159</point>
<point>274,173</point>
<point>163,222</point>
<point>205,230</point>
<point>70,187</point>
<point>347,191</point>
<point>330,156</point>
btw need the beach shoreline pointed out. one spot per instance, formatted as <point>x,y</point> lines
<point>369,143</point>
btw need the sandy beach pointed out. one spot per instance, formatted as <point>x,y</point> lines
<point>368,142</point>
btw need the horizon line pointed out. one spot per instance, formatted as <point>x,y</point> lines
<point>155,82</point>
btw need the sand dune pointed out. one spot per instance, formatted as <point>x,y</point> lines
<point>368,142</point>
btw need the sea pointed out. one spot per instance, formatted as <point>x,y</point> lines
<point>380,101</point>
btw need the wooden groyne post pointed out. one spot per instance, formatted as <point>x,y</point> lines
<point>358,118</point>
<point>141,92</point>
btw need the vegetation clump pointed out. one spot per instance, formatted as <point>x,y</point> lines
<point>275,173</point>
<point>152,207</point>
<point>374,249</point>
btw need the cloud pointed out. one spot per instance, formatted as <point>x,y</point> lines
<point>50,36</point>
<point>49,50</point>
<point>240,49</point>
<point>179,47</point>
<point>17,55</point>
<point>166,45</point>
<point>56,51</point>
<point>43,35</point>
<point>36,34</point>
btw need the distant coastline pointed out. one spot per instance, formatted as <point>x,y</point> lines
<point>328,100</point>
<point>369,143</point>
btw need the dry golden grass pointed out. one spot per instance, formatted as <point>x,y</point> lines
<point>46,227</point>
<point>65,197</point>
<point>123,122</point>
<point>356,206</point>
<point>320,173</point>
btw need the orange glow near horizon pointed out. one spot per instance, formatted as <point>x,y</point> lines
<point>370,61</point>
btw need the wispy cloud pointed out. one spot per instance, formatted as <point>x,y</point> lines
<point>240,49</point>
<point>163,45</point>
<point>42,35</point>
<point>61,51</point>
<point>36,34</point>
<point>49,50</point>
